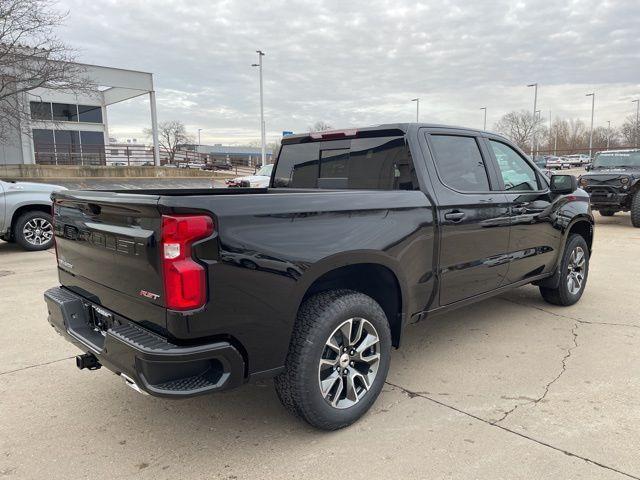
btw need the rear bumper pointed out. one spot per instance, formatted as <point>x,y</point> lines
<point>151,362</point>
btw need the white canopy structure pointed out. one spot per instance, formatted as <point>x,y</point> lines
<point>66,127</point>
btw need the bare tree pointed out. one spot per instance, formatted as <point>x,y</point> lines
<point>171,135</point>
<point>31,57</point>
<point>630,131</point>
<point>519,128</point>
<point>275,148</point>
<point>602,134</point>
<point>578,137</point>
<point>320,126</point>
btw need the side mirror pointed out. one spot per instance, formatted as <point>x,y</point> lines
<point>562,184</point>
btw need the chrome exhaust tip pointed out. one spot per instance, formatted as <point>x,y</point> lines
<point>132,384</point>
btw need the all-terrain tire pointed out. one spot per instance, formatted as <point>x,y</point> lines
<point>635,210</point>
<point>319,317</point>
<point>562,295</point>
<point>34,230</point>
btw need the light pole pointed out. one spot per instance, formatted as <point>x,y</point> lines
<point>417,100</point>
<point>535,106</point>
<point>199,130</point>
<point>608,133</point>
<point>637,102</point>
<point>262,130</point>
<point>550,125</point>
<point>593,104</point>
<point>538,116</point>
<point>484,125</point>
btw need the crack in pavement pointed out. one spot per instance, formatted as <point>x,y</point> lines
<point>560,315</point>
<point>412,394</point>
<point>535,401</point>
<point>36,365</point>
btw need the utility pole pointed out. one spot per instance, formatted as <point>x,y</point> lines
<point>484,125</point>
<point>608,133</point>
<point>199,130</point>
<point>535,106</point>
<point>417,100</point>
<point>637,102</point>
<point>593,104</point>
<point>262,129</point>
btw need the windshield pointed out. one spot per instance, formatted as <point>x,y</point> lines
<point>617,159</point>
<point>265,171</point>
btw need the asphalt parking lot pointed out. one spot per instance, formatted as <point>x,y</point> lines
<point>506,389</point>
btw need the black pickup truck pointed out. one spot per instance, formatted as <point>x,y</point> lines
<point>314,279</point>
<point>613,183</point>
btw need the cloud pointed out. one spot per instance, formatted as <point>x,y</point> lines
<point>361,62</point>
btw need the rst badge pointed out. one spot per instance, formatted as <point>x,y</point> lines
<point>146,294</point>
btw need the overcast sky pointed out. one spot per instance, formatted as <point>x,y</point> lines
<point>355,63</point>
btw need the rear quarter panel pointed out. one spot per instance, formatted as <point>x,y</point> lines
<point>273,246</point>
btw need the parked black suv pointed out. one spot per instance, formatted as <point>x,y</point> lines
<point>613,183</point>
<point>314,279</point>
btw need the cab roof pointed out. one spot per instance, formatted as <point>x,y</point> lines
<point>386,128</point>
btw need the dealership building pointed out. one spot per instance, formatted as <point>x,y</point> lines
<point>73,129</point>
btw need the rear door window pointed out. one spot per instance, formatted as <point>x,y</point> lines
<point>377,163</point>
<point>459,163</point>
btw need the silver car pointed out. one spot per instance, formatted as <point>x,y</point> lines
<point>25,214</point>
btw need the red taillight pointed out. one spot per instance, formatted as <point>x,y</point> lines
<point>185,282</point>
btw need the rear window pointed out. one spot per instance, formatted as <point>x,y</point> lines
<point>379,163</point>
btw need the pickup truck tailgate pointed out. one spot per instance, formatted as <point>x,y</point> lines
<point>106,243</point>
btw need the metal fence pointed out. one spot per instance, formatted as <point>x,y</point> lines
<point>125,155</point>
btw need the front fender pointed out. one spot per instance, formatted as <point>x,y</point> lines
<point>587,218</point>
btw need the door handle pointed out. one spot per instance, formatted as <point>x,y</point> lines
<point>454,216</point>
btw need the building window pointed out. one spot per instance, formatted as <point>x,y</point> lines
<point>92,148</point>
<point>44,146</point>
<point>90,113</point>
<point>68,147</point>
<point>40,110</point>
<point>65,112</point>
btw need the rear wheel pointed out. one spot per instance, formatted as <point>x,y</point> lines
<point>635,210</point>
<point>607,213</point>
<point>338,359</point>
<point>34,231</point>
<point>574,270</point>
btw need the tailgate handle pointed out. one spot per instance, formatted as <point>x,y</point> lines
<point>454,216</point>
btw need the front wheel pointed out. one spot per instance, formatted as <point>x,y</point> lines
<point>574,270</point>
<point>338,359</point>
